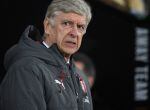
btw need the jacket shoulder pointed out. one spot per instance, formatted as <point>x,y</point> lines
<point>27,64</point>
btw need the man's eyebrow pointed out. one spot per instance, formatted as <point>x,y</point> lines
<point>71,21</point>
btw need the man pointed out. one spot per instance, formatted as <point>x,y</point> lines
<point>40,73</point>
<point>85,64</point>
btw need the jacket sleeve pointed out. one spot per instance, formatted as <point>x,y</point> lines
<point>22,89</point>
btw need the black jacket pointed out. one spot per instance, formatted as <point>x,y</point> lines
<point>38,78</point>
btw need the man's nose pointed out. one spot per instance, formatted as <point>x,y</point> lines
<point>74,31</point>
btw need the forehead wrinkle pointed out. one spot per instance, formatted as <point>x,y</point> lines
<point>72,17</point>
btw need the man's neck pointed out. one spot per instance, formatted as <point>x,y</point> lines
<point>67,58</point>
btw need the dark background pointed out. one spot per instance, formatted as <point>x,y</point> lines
<point>109,41</point>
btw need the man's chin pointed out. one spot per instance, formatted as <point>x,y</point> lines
<point>69,53</point>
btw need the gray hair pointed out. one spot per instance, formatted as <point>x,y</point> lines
<point>77,6</point>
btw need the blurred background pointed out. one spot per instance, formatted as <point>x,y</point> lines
<point>117,41</point>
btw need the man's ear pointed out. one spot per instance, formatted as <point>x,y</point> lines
<point>46,26</point>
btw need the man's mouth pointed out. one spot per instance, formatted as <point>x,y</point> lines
<point>71,44</point>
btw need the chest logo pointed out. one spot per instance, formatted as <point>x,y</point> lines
<point>86,100</point>
<point>60,83</point>
<point>83,85</point>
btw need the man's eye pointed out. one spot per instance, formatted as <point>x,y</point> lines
<point>66,23</point>
<point>81,27</point>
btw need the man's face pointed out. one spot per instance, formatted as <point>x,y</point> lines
<point>68,30</point>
